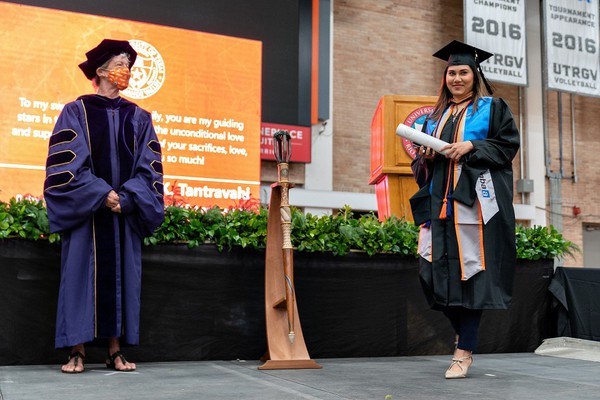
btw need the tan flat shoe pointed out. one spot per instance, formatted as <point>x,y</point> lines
<point>452,374</point>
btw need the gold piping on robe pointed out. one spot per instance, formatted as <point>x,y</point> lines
<point>155,184</point>
<point>64,141</point>
<point>151,147</point>
<point>154,169</point>
<point>62,184</point>
<point>63,163</point>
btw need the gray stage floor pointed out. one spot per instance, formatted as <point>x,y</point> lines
<point>493,376</point>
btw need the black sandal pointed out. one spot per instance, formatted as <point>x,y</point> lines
<point>110,362</point>
<point>77,356</point>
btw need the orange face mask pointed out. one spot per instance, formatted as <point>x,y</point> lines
<point>119,77</point>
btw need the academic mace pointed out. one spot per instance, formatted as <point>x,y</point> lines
<point>282,154</point>
<point>288,261</point>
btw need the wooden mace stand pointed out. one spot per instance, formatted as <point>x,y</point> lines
<point>281,353</point>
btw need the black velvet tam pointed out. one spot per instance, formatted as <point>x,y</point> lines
<point>103,52</point>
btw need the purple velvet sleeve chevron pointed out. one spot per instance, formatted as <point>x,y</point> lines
<point>71,191</point>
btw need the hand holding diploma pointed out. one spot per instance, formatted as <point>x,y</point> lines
<point>421,138</point>
<point>430,144</point>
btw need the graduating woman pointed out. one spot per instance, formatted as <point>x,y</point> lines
<point>104,193</point>
<point>464,205</point>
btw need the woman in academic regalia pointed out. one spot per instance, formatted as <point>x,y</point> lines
<point>104,194</point>
<point>464,205</point>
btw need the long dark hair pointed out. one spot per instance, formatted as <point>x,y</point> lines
<point>479,91</point>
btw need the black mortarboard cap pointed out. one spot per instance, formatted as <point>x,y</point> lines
<point>100,54</point>
<point>459,53</point>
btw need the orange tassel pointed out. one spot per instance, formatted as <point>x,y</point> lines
<point>443,210</point>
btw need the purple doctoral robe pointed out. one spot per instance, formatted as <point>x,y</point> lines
<point>98,145</point>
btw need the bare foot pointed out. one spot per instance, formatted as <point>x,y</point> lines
<point>127,366</point>
<point>75,363</point>
<point>116,360</point>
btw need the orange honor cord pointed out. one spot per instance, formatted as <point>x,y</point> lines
<point>452,167</point>
<point>481,245</point>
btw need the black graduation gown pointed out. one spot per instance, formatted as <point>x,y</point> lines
<point>441,278</point>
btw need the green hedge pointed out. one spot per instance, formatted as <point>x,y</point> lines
<point>338,233</point>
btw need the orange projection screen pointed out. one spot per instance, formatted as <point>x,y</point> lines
<point>203,90</point>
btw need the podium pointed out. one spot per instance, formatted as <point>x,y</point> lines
<point>391,155</point>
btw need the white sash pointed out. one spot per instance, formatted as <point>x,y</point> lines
<point>469,222</point>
